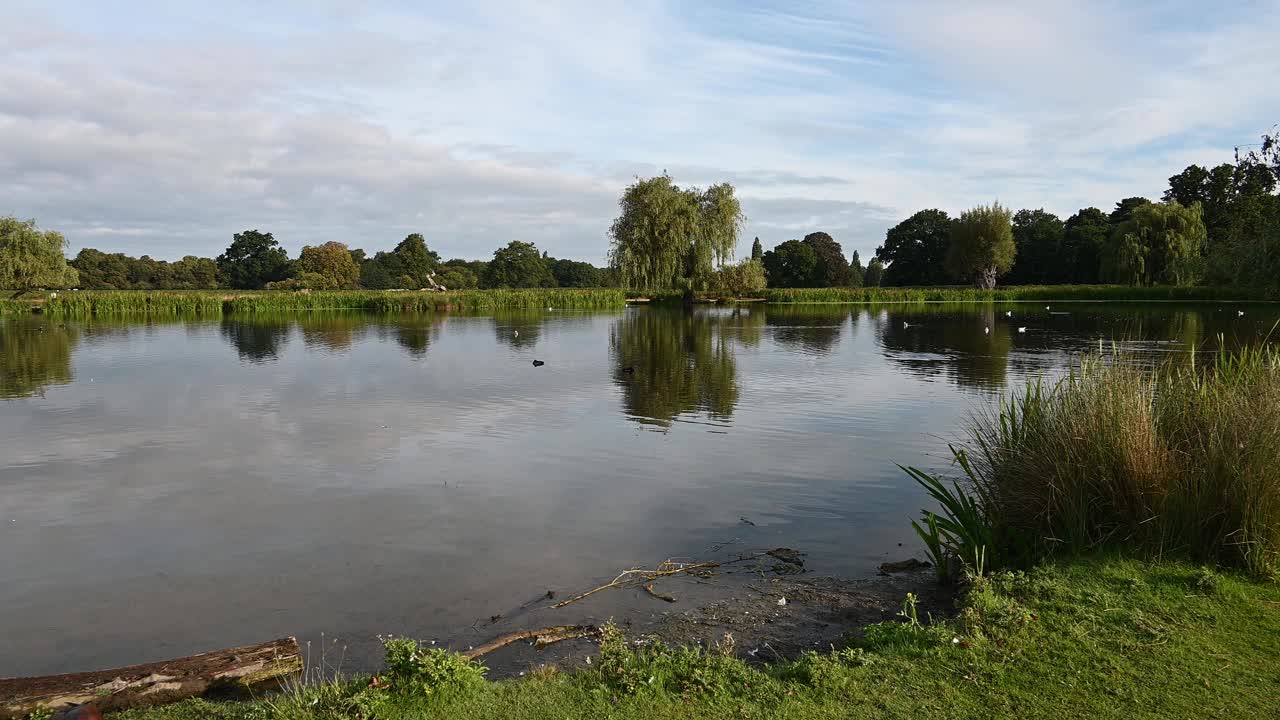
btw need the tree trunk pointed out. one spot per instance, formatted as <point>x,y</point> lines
<point>152,683</point>
<point>985,278</point>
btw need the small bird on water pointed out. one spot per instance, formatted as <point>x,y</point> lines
<point>1008,313</point>
<point>1022,329</point>
<point>538,363</point>
<point>1239,313</point>
<point>515,333</point>
<point>905,325</point>
<point>986,329</point>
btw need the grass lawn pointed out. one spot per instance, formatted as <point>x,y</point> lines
<point>1099,637</point>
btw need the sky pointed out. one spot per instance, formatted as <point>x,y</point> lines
<point>163,128</point>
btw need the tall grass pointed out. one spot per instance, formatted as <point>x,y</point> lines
<point>1180,459</point>
<point>1015,293</point>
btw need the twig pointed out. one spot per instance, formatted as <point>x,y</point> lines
<point>640,576</point>
<point>661,596</point>
<point>541,638</point>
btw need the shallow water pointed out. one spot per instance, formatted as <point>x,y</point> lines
<point>173,487</point>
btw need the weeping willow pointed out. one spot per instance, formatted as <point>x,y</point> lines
<point>672,237</point>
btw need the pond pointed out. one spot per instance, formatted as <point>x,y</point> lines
<point>171,487</point>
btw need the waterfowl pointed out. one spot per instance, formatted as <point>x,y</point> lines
<point>538,363</point>
<point>1022,329</point>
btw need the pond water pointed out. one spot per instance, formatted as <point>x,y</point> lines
<point>174,487</point>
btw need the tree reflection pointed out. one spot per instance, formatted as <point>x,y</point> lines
<point>970,347</point>
<point>809,330</point>
<point>331,331</point>
<point>34,356</point>
<point>518,329</point>
<point>416,333</point>
<point>256,340</point>
<point>673,363</point>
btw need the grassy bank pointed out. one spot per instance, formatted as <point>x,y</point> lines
<point>1096,637</point>
<point>1038,293</point>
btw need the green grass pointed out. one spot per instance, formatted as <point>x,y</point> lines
<point>1098,637</point>
<point>1060,293</point>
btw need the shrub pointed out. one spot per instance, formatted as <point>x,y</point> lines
<point>416,670</point>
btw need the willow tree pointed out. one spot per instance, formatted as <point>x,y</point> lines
<point>31,258</point>
<point>1158,243</point>
<point>982,246</point>
<point>672,237</point>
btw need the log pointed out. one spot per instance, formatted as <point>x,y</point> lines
<point>152,683</point>
<point>541,638</point>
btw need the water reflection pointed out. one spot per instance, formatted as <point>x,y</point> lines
<point>33,356</point>
<point>256,340</point>
<point>415,334</point>
<point>332,331</point>
<point>969,348</point>
<point>674,363</point>
<point>811,330</point>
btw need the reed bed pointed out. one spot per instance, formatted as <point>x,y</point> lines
<point>1059,293</point>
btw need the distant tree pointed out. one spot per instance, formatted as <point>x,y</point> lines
<point>518,265</point>
<point>31,259</point>
<point>1159,243</point>
<point>1249,252</point>
<point>857,274</point>
<point>757,250</point>
<point>667,236</point>
<point>1265,156</point>
<point>1124,209</point>
<point>407,266</point>
<point>572,273</point>
<point>1084,236</point>
<point>982,246</point>
<point>791,264</point>
<point>457,277</point>
<point>331,261</point>
<point>741,280</point>
<point>195,273</point>
<point>252,260</point>
<point>916,248</point>
<point>833,268</point>
<point>358,255</point>
<point>874,274</point>
<point>1038,236</point>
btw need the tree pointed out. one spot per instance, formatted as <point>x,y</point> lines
<point>252,260</point>
<point>1083,238</point>
<point>572,273</point>
<point>791,264</point>
<point>982,246</point>
<point>331,261</point>
<point>916,249</point>
<point>744,279</point>
<point>457,277</point>
<point>667,236</point>
<point>857,273</point>
<point>833,268</point>
<point>407,266</point>
<point>1038,236</point>
<point>1159,243</point>
<point>757,250</point>
<point>1124,209</point>
<point>518,265</point>
<point>31,259</point>
<point>875,273</point>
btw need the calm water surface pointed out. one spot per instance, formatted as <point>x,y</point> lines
<point>173,487</point>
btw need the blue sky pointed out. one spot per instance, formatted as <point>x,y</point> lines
<point>165,127</point>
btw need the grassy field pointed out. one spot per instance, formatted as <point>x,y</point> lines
<point>1099,637</point>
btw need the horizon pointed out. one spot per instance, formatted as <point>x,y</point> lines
<point>163,132</point>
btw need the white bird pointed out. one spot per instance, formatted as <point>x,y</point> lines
<point>515,333</point>
<point>1239,313</point>
<point>1046,307</point>
<point>986,329</point>
<point>548,308</point>
<point>905,325</point>
<point>1022,329</point>
<point>54,295</point>
<point>1008,313</point>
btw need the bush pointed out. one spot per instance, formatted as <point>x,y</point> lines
<point>416,670</point>
<point>741,280</point>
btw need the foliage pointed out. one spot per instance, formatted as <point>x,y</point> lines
<point>963,530</point>
<point>757,250</point>
<point>982,246</point>
<point>832,269</point>
<point>874,277</point>
<point>1084,237</point>
<point>34,357</point>
<point>31,259</point>
<point>412,669</point>
<point>682,671</point>
<point>1248,253</point>
<point>332,264</point>
<point>1039,237</point>
<point>457,277</point>
<point>572,273</point>
<point>791,264</point>
<point>407,266</point>
<point>916,249</point>
<point>745,279</point>
<point>1159,243</point>
<point>117,271</point>
<point>857,273</point>
<point>518,265</point>
<point>1124,209</point>
<point>672,237</point>
<point>252,260</point>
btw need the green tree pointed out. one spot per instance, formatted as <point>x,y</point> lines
<point>408,265</point>
<point>1038,236</point>
<point>857,273</point>
<point>31,259</point>
<point>34,356</point>
<point>833,268</point>
<point>757,250</point>
<point>982,246</point>
<point>252,260</point>
<point>1124,209</point>
<point>457,277</point>
<point>667,236</point>
<point>572,273</point>
<point>916,249</point>
<point>791,264</point>
<point>1249,252</point>
<point>741,280</point>
<point>518,265</point>
<point>874,274</point>
<point>1159,243</point>
<point>1084,236</point>
<point>331,261</point>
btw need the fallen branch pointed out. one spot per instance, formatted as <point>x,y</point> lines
<point>669,567</point>
<point>541,638</point>
<point>661,596</point>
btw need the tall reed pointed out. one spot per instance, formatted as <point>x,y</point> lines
<point>1036,293</point>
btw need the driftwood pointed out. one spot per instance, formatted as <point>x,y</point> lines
<point>642,576</point>
<point>541,638</point>
<point>152,683</point>
<point>661,596</point>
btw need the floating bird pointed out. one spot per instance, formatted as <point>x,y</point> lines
<point>905,325</point>
<point>515,333</point>
<point>1022,329</point>
<point>548,308</point>
<point>538,363</point>
<point>1239,313</point>
<point>628,371</point>
<point>1046,307</point>
<point>1008,313</point>
<point>986,329</point>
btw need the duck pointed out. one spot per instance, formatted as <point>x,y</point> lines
<point>1008,313</point>
<point>515,333</point>
<point>538,363</point>
<point>905,325</point>
<point>986,329</point>
<point>1239,313</point>
<point>1022,329</point>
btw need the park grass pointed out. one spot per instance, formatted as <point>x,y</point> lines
<point>1095,636</point>
<point>1030,293</point>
